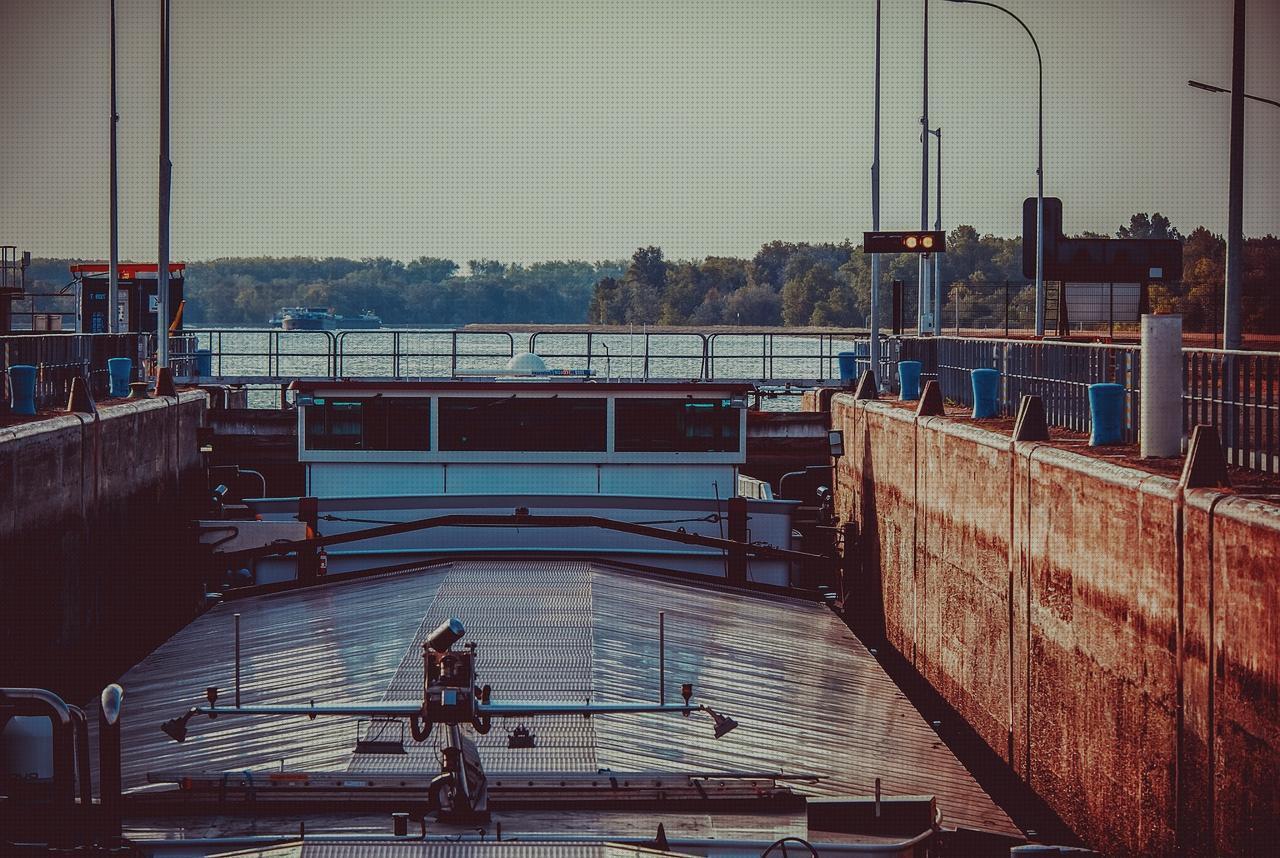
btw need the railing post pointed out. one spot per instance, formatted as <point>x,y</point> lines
<point>1006,309</point>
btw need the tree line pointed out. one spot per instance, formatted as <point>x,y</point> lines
<point>783,283</point>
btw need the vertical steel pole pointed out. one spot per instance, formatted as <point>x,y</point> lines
<point>923,286</point>
<point>1231,326</point>
<point>874,350</point>
<point>1232,293</point>
<point>662,658</point>
<point>1039,195</point>
<point>237,661</point>
<point>937,257</point>
<point>162,252</point>
<point>113,266</point>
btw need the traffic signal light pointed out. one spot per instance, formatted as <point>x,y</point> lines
<point>913,241</point>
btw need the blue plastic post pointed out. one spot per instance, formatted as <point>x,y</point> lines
<point>120,371</point>
<point>848,362</point>
<point>909,378</point>
<point>1106,412</point>
<point>22,383</point>
<point>986,392</point>
<point>204,362</point>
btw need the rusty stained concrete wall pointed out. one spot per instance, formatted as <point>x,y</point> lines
<point>1065,606</point>
<point>95,559</point>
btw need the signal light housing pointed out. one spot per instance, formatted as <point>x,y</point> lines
<point>911,241</point>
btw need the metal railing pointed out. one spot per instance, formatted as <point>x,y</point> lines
<point>61,358</point>
<point>1058,372</point>
<point>1239,393</point>
<point>772,357</point>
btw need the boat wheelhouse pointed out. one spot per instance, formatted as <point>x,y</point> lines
<point>650,455</point>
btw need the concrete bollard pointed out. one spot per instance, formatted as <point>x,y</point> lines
<point>1160,402</point>
<point>120,371</point>
<point>986,392</point>
<point>22,389</point>
<point>1106,414</point>
<point>909,379</point>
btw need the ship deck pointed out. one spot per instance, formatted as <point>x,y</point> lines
<point>808,695</point>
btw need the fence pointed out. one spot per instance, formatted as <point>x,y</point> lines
<point>1059,373</point>
<point>61,358</point>
<point>1237,392</point>
<point>264,356</point>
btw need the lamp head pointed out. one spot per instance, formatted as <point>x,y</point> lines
<point>176,728</point>
<point>723,722</point>
<point>1205,86</point>
<point>446,635</point>
<point>111,701</point>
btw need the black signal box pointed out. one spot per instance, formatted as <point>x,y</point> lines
<point>911,241</point>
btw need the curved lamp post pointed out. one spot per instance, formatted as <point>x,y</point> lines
<point>1039,166</point>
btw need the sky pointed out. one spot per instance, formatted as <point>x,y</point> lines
<point>582,129</point>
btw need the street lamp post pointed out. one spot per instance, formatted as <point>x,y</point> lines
<point>1039,165</point>
<point>1235,203</point>
<point>873,352</point>
<point>937,225</point>
<point>922,314</point>
<point>166,172</point>
<point>113,264</point>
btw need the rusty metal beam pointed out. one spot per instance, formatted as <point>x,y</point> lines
<point>519,519</point>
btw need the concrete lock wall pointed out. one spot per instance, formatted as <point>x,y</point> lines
<point>1066,607</point>
<point>95,559</point>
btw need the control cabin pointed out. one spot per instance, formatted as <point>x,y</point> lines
<point>661,454</point>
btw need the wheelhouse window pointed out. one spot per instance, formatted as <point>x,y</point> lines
<point>676,426</point>
<point>510,424</point>
<point>370,423</point>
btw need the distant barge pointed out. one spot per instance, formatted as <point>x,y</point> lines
<point>321,319</point>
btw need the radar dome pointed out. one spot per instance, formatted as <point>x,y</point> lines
<point>526,362</point>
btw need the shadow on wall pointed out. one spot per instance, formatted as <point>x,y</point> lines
<point>862,585</point>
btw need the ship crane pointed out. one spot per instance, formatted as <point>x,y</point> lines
<point>452,699</point>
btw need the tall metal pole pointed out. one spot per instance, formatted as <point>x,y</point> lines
<point>921,314</point>
<point>874,351</point>
<point>937,257</point>
<point>113,266</point>
<point>1039,189</point>
<point>1231,327</point>
<point>166,168</point>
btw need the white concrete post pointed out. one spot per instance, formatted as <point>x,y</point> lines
<point>1160,415</point>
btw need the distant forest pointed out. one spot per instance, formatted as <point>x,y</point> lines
<point>784,283</point>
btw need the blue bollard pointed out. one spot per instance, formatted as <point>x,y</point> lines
<point>1106,414</point>
<point>986,392</point>
<point>120,371</point>
<point>204,362</point>
<point>22,386</point>
<point>848,362</point>
<point>909,379</point>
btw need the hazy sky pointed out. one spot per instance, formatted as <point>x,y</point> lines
<point>582,129</point>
